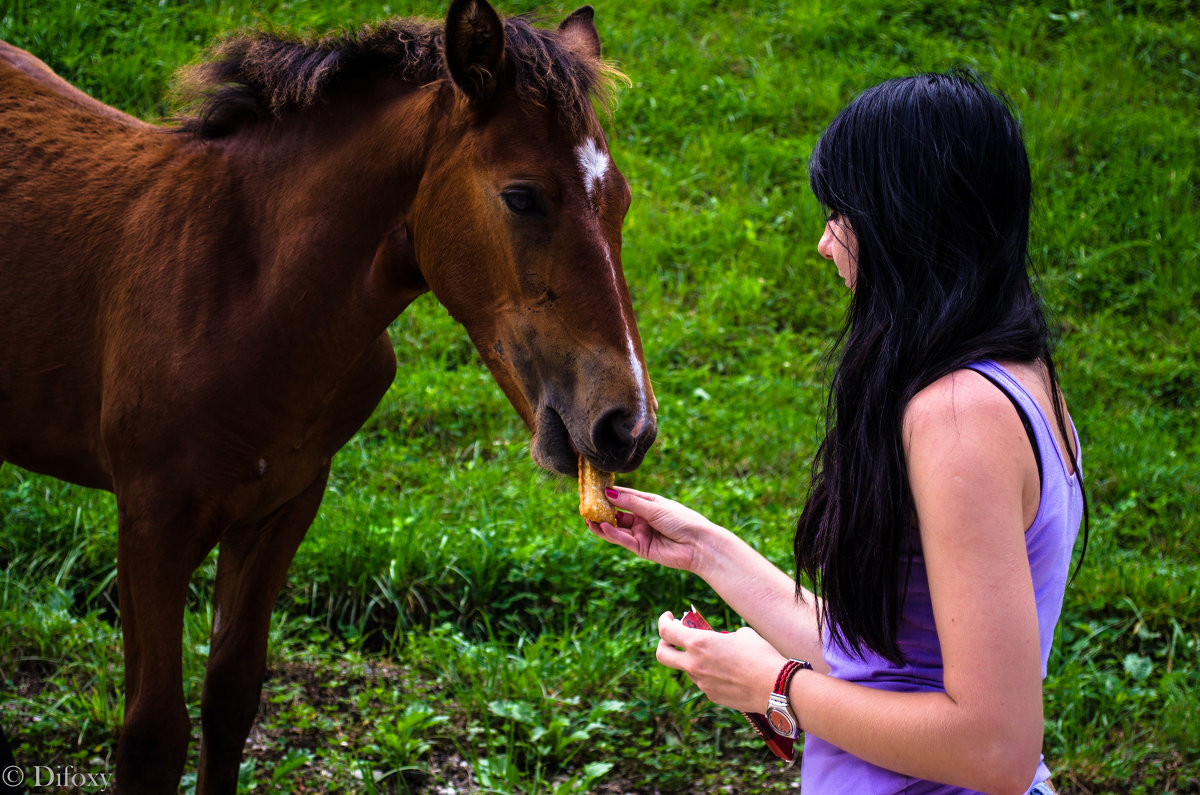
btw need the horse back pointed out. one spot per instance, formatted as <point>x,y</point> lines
<point>63,159</point>
<point>16,63</point>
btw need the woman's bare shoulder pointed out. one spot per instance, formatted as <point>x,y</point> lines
<point>960,402</point>
<point>965,445</point>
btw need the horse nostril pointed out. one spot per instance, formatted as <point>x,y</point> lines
<point>620,434</point>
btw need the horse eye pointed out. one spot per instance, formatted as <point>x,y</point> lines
<point>521,201</point>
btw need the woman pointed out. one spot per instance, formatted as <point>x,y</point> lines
<point>946,495</point>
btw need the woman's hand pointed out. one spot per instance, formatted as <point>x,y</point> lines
<point>735,669</point>
<point>656,528</point>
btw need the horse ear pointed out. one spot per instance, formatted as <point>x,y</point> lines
<point>580,31</point>
<point>474,47</point>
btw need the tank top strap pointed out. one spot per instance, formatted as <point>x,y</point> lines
<point>1037,424</point>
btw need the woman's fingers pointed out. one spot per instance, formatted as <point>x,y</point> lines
<point>637,540</point>
<point>669,652</point>
<point>668,655</point>
<point>625,490</point>
<point>631,505</point>
<point>666,624</point>
<point>659,512</point>
<point>654,528</point>
<point>613,534</point>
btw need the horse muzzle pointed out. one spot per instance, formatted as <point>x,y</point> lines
<point>616,440</point>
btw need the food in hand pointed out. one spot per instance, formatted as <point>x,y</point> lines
<point>593,505</point>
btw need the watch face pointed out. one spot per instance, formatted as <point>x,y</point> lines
<point>780,722</point>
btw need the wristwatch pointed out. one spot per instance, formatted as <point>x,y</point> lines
<point>779,711</point>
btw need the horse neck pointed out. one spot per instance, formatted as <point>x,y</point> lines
<point>330,195</point>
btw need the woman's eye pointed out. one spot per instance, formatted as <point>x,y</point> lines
<point>521,201</point>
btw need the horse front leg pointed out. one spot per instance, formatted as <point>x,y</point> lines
<point>157,551</point>
<point>251,568</point>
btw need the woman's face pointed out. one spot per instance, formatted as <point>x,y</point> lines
<point>839,244</point>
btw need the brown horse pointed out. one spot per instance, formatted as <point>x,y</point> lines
<point>195,317</point>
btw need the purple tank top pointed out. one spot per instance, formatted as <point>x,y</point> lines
<point>826,769</point>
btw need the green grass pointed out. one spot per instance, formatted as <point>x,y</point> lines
<point>448,620</point>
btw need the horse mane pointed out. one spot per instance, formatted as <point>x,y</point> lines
<point>270,75</point>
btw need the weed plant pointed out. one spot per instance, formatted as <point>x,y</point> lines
<point>450,623</point>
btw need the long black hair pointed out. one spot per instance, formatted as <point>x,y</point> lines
<point>931,175</point>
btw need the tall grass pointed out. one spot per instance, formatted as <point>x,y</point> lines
<point>448,621</point>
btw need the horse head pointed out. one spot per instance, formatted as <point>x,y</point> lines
<point>516,228</point>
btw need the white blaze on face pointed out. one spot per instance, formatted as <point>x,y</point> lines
<point>594,163</point>
<point>635,364</point>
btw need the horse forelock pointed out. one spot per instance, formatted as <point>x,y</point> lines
<point>269,75</point>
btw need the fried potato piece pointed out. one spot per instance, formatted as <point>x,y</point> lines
<point>593,505</point>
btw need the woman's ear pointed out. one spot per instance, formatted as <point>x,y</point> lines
<point>474,47</point>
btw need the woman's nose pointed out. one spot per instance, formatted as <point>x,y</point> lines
<point>825,245</point>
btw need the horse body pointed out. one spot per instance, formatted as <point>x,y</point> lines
<point>198,322</point>
<point>147,238</point>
